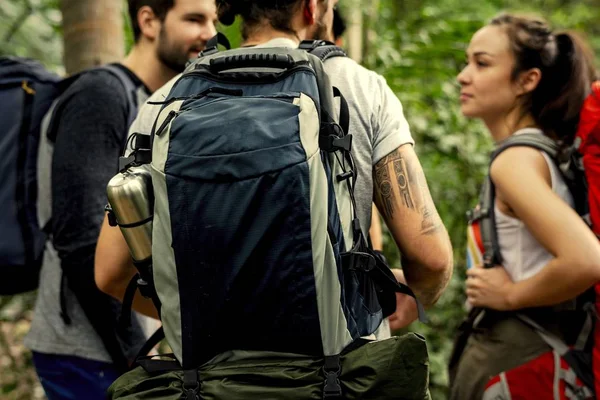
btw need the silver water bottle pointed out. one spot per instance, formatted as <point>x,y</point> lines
<point>131,198</point>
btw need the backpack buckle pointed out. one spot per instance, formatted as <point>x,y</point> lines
<point>112,218</point>
<point>477,214</point>
<point>358,261</point>
<point>209,51</point>
<point>309,45</point>
<point>332,389</point>
<point>191,385</point>
<point>331,143</point>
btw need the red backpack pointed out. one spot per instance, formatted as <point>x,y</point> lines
<point>588,142</point>
<point>568,371</point>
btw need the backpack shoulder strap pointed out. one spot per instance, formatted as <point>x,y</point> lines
<point>322,49</point>
<point>534,140</point>
<point>130,89</point>
<point>128,85</point>
<point>485,213</point>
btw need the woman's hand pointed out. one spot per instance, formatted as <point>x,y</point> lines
<point>489,287</point>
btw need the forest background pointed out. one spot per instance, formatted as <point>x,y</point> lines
<point>418,45</point>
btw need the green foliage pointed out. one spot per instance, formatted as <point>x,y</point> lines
<point>31,28</point>
<point>418,45</point>
<point>232,32</point>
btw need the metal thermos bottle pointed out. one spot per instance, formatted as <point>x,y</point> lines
<point>131,198</point>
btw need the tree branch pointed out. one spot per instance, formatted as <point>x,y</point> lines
<point>27,11</point>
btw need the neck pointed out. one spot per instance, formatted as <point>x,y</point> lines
<point>503,127</point>
<point>143,62</point>
<point>265,33</point>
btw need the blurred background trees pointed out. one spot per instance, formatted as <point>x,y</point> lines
<point>418,45</point>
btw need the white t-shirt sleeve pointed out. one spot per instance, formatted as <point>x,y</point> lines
<point>391,129</point>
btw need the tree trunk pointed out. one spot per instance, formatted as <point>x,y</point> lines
<point>355,33</point>
<point>369,29</point>
<point>93,33</point>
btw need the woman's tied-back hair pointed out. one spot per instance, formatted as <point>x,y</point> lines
<point>277,13</point>
<point>566,64</point>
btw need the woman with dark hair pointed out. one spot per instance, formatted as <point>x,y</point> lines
<point>522,77</point>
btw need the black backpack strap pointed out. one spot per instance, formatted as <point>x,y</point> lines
<point>97,307</point>
<point>144,281</point>
<point>212,46</point>
<point>158,364</point>
<point>485,215</point>
<point>129,87</point>
<point>152,341</point>
<point>322,49</point>
<point>87,298</point>
<point>21,191</point>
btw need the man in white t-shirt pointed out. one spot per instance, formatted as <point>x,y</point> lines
<point>388,169</point>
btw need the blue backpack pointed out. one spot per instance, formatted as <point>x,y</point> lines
<point>254,211</point>
<point>28,94</point>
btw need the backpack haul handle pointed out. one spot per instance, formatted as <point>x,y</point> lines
<point>257,60</point>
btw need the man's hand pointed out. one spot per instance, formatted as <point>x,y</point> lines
<point>406,306</point>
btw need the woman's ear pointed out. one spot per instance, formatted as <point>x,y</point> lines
<point>528,81</point>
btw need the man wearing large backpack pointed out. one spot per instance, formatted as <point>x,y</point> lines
<point>78,348</point>
<point>387,167</point>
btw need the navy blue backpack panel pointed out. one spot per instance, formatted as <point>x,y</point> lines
<point>27,91</point>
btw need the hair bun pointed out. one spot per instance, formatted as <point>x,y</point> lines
<point>227,10</point>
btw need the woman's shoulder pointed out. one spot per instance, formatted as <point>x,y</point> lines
<point>518,163</point>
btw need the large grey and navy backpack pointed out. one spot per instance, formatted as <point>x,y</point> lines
<point>28,93</point>
<point>258,255</point>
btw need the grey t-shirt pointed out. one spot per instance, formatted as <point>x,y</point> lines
<point>377,124</point>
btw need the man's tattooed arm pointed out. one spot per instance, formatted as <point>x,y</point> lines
<point>403,198</point>
<point>395,176</point>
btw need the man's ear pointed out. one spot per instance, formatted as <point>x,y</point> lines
<point>528,81</point>
<point>148,22</point>
<point>310,12</point>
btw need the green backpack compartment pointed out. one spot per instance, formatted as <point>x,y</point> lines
<point>396,368</point>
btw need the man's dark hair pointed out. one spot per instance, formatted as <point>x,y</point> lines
<point>278,13</point>
<point>339,25</point>
<point>160,8</point>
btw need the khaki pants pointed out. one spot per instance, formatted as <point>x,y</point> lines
<point>503,344</point>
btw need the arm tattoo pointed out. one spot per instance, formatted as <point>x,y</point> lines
<point>386,194</point>
<point>394,173</point>
<point>402,179</point>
